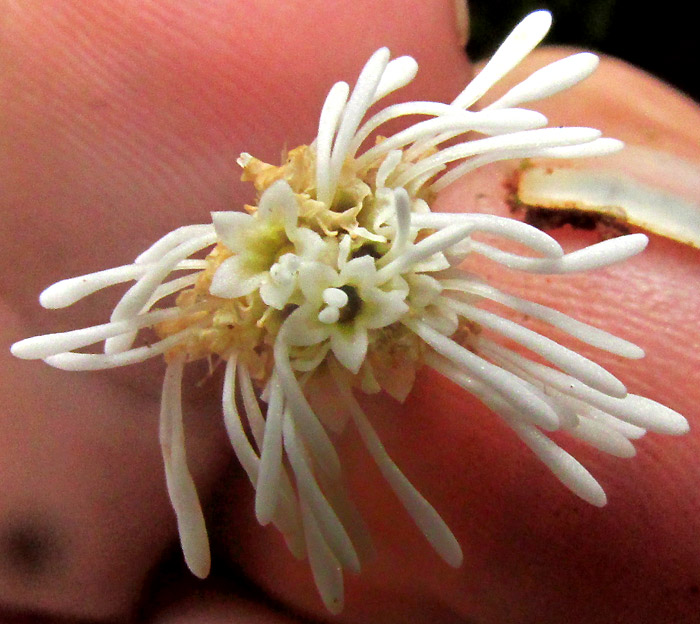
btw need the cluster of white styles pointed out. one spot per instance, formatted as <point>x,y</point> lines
<point>341,273</point>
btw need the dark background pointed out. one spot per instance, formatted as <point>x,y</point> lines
<point>664,40</point>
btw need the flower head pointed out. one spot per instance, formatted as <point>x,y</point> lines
<point>341,269</point>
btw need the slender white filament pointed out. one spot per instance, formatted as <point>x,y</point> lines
<point>511,120</point>
<point>451,124</point>
<point>245,452</point>
<point>567,469</point>
<point>325,567</point>
<point>582,331</point>
<point>632,432</point>
<point>402,206</point>
<point>429,246</point>
<point>599,147</point>
<point>387,167</point>
<point>502,381</point>
<point>424,515</point>
<point>360,100</point>
<point>286,517</point>
<point>349,515</point>
<point>251,405</point>
<point>136,298</point>
<point>398,73</point>
<point>603,254</point>
<point>327,126</point>
<point>396,111</point>
<point>499,403</point>
<point>549,80</point>
<point>518,231</point>
<point>590,258</point>
<point>527,139</point>
<point>171,240</point>
<point>603,437</point>
<point>309,426</point>
<point>569,361</point>
<point>99,361</point>
<point>332,529</point>
<point>68,291</point>
<point>40,347</point>
<point>267,490</point>
<point>181,487</point>
<point>524,38</point>
<point>168,288</point>
<point>633,409</point>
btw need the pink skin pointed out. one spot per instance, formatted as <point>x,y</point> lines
<point>122,121</point>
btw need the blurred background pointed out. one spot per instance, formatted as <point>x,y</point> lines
<point>663,40</point>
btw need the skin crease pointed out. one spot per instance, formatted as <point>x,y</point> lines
<point>123,120</point>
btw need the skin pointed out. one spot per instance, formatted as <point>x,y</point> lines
<point>121,121</point>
